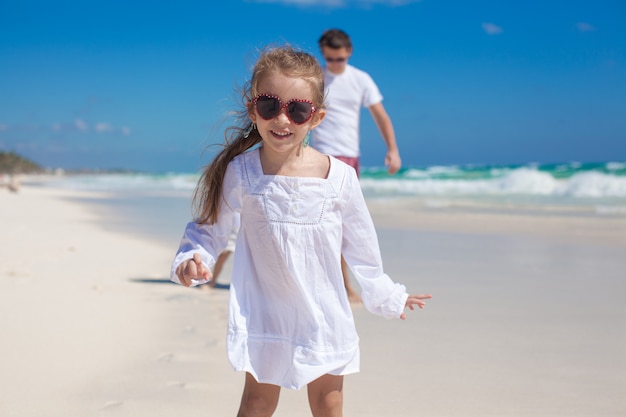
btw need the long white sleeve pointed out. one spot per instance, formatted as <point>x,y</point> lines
<point>210,240</point>
<point>362,253</point>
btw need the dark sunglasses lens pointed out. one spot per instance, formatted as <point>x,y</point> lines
<point>268,107</point>
<point>299,111</point>
<point>335,59</point>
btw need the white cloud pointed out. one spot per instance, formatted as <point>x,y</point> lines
<point>338,3</point>
<point>391,3</point>
<point>102,127</point>
<point>77,127</point>
<point>585,27</point>
<point>80,124</point>
<point>491,28</point>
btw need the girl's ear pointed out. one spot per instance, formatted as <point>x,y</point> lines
<point>251,112</point>
<point>317,118</point>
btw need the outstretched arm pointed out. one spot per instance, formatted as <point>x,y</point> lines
<point>383,121</point>
<point>193,269</point>
<point>415,300</point>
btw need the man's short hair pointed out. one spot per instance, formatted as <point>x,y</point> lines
<point>335,39</point>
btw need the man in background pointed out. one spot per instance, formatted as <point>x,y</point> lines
<point>347,90</point>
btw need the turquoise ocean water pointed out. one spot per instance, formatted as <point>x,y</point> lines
<point>159,204</point>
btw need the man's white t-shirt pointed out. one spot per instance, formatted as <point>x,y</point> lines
<point>338,134</point>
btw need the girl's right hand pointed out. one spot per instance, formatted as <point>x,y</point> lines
<point>193,269</point>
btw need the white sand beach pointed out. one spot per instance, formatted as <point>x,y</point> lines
<point>528,319</point>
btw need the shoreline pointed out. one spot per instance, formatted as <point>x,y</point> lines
<point>563,221</point>
<point>604,230</point>
<point>527,318</point>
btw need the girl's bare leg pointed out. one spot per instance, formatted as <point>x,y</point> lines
<point>258,400</point>
<point>326,396</point>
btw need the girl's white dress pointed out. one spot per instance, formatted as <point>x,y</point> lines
<point>290,320</point>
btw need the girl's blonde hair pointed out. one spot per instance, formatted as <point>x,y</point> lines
<point>285,60</point>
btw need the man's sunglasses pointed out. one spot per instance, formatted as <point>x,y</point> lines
<point>342,59</point>
<point>299,110</point>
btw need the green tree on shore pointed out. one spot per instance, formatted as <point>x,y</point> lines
<point>12,163</point>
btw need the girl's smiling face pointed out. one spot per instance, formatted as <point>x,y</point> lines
<point>281,134</point>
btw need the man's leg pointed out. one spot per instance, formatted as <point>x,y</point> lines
<point>219,264</point>
<point>353,296</point>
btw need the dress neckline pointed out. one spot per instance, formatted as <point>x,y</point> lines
<point>259,167</point>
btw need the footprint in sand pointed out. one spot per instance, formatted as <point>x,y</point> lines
<point>210,343</point>
<point>165,357</point>
<point>16,272</point>
<point>112,404</point>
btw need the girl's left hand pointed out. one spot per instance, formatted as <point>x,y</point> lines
<point>413,300</point>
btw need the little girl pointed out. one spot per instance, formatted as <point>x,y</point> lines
<point>290,322</point>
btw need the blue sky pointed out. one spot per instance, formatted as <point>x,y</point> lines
<point>146,85</point>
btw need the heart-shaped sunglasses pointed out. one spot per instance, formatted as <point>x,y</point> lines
<point>299,110</point>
